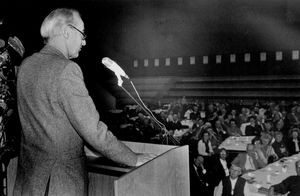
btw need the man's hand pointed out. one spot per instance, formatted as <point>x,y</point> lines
<point>143,158</point>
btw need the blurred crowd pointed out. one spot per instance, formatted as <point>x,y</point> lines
<point>205,125</point>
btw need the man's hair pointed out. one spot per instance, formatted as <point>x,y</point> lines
<point>220,150</point>
<point>232,120</point>
<point>252,116</point>
<point>55,20</point>
<point>278,133</point>
<point>236,168</point>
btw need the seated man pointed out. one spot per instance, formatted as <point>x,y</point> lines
<point>220,166</point>
<point>233,129</point>
<point>293,143</point>
<point>200,177</point>
<point>279,145</point>
<point>253,129</point>
<point>233,185</point>
<point>248,161</point>
<point>291,184</point>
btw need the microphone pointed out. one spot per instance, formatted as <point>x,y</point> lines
<point>113,66</point>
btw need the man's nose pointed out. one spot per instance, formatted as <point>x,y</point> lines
<point>83,42</point>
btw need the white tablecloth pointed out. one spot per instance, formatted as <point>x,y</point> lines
<point>236,143</point>
<point>272,174</point>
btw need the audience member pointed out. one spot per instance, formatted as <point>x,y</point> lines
<point>213,138</point>
<point>235,116</point>
<point>223,112</point>
<point>249,160</point>
<point>268,126</point>
<point>243,116</point>
<point>220,131</point>
<point>212,115</point>
<point>294,142</point>
<point>266,152</point>
<point>253,129</point>
<point>187,113</point>
<point>233,129</point>
<point>175,123</point>
<point>220,166</point>
<point>280,126</point>
<point>279,146</point>
<point>204,145</point>
<point>200,177</point>
<point>233,185</point>
<point>195,113</point>
<point>202,110</point>
<point>293,118</point>
<point>258,151</point>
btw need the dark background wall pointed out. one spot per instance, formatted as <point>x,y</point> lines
<point>128,29</point>
<point>136,29</point>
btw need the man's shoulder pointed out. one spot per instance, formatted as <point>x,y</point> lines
<point>242,155</point>
<point>226,179</point>
<point>241,179</point>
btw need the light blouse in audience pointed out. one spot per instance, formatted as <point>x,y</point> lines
<point>204,146</point>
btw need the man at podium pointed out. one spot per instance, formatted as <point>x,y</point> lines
<point>58,115</point>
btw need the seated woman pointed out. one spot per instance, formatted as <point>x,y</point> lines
<point>264,149</point>
<point>204,146</point>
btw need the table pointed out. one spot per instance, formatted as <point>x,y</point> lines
<point>272,174</point>
<point>234,143</point>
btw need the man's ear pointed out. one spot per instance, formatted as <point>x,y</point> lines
<point>240,172</point>
<point>66,32</point>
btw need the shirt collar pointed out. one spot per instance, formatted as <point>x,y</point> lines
<point>233,180</point>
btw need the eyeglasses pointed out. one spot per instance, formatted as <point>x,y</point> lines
<point>82,33</point>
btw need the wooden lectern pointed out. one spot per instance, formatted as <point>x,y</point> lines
<point>165,175</point>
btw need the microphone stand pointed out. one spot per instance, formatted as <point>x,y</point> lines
<point>167,137</point>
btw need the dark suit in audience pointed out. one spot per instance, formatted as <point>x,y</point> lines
<point>220,170</point>
<point>292,146</point>
<point>200,178</point>
<point>195,113</point>
<point>294,142</point>
<point>279,146</point>
<point>253,129</point>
